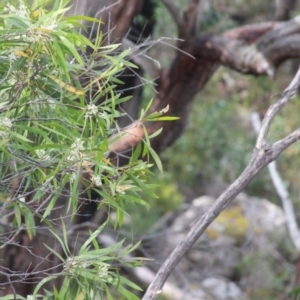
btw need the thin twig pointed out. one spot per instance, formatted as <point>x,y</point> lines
<point>288,94</point>
<point>282,192</point>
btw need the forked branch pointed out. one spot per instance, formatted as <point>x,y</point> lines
<point>261,157</point>
<point>282,192</point>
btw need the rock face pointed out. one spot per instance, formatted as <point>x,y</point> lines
<point>220,266</point>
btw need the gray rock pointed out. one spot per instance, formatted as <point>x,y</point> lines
<point>237,235</point>
<point>222,289</point>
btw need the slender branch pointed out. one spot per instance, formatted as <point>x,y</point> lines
<point>151,66</point>
<point>127,138</point>
<point>288,94</point>
<point>11,238</point>
<point>261,157</point>
<point>199,227</point>
<point>251,32</point>
<point>281,145</point>
<point>235,54</point>
<point>282,192</point>
<point>284,30</point>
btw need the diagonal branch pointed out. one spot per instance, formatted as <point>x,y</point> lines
<point>281,190</point>
<point>261,157</point>
<point>285,29</point>
<point>250,33</point>
<point>234,54</point>
<point>287,95</point>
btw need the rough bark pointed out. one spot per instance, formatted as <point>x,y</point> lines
<point>251,49</point>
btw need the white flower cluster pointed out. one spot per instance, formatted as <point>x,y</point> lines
<point>73,177</point>
<point>76,151</point>
<point>74,262</point>
<point>96,180</point>
<point>12,80</point>
<point>51,102</point>
<point>35,35</point>
<point>30,297</point>
<point>103,270</point>
<point>120,189</point>
<point>21,11</point>
<point>22,198</point>
<point>91,110</point>
<point>42,155</point>
<point>51,26</point>
<point>5,125</point>
<point>41,33</point>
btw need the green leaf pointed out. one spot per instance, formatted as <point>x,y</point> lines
<point>139,183</point>
<point>137,200</point>
<point>92,237</point>
<point>148,105</point>
<point>166,118</point>
<point>74,191</point>
<point>64,230</point>
<point>156,133</point>
<point>127,294</point>
<point>136,153</point>
<point>54,252</point>
<point>29,221</point>
<point>156,159</point>
<point>17,212</point>
<point>50,206</point>
<point>42,282</point>
<point>12,297</point>
<point>20,137</point>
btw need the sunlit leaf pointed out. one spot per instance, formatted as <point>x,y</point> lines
<point>66,86</point>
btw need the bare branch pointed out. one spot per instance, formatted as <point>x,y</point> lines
<point>127,138</point>
<point>285,29</point>
<point>115,16</point>
<point>261,157</point>
<point>232,53</point>
<point>288,94</point>
<point>281,145</point>
<point>250,33</point>
<point>151,66</point>
<point>282,192</point>
<point>282,49</point>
